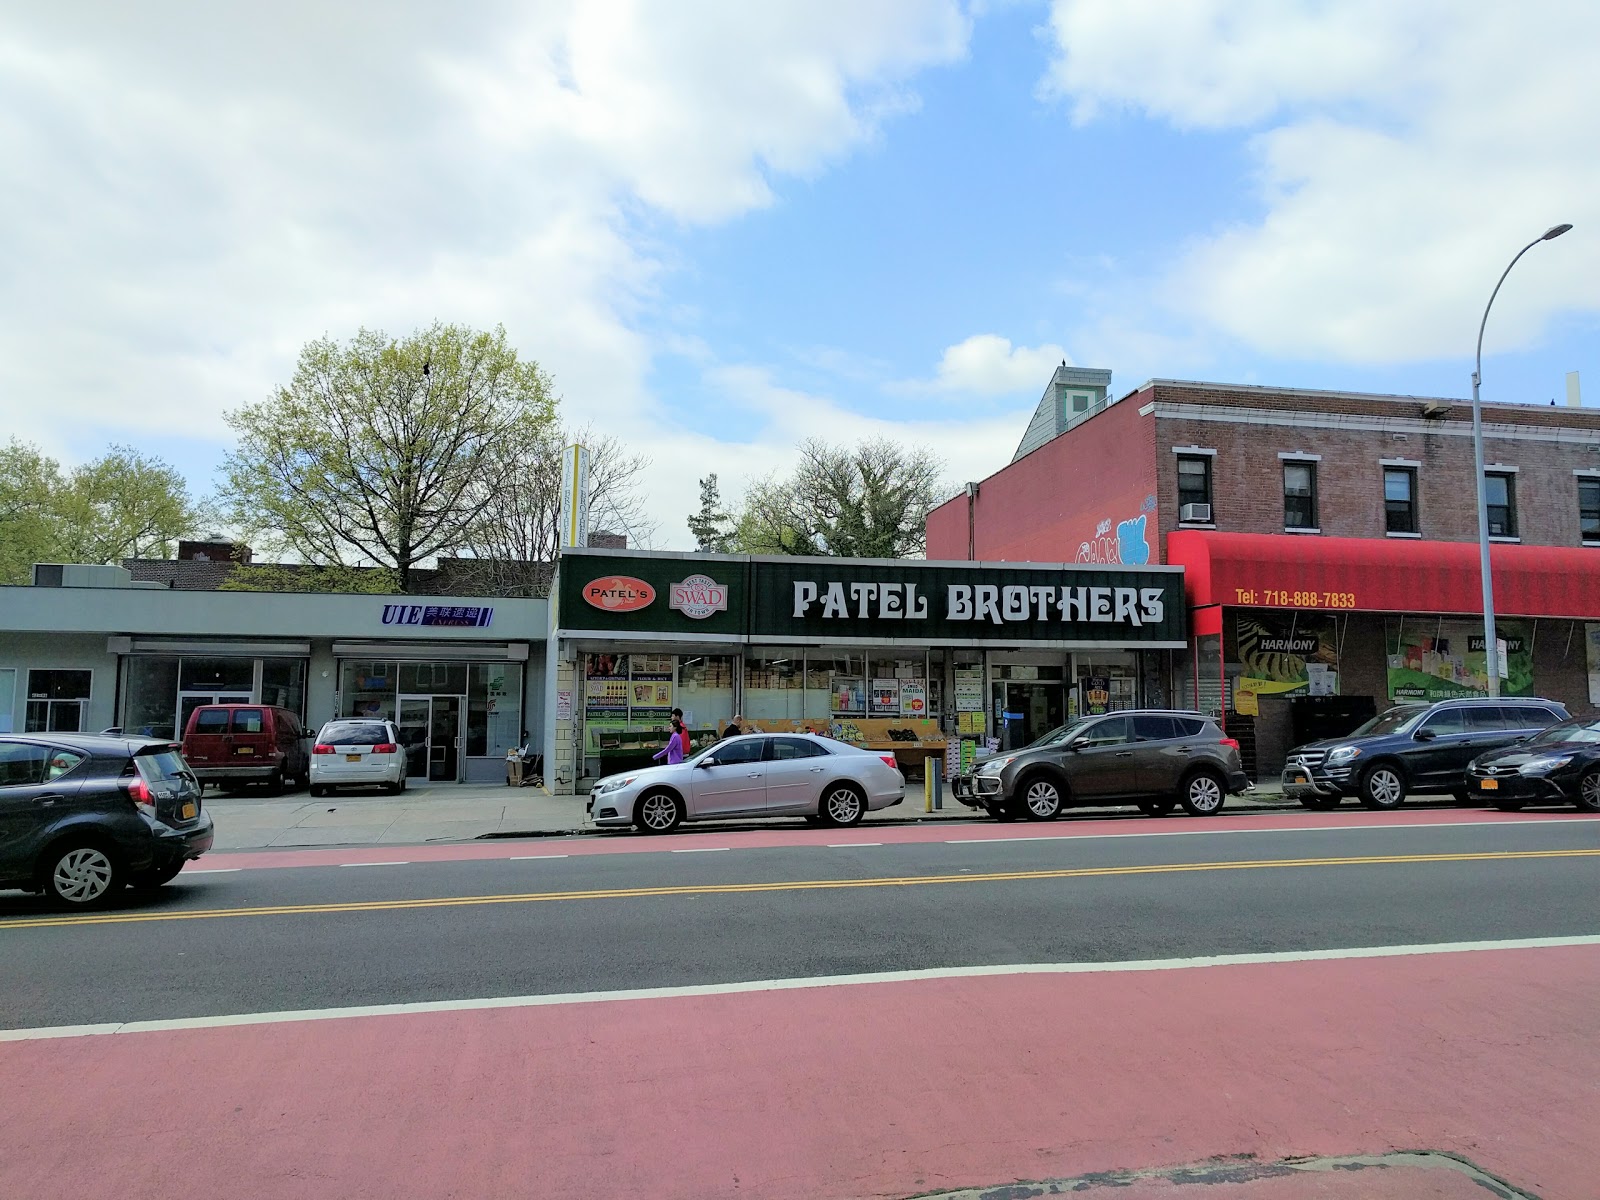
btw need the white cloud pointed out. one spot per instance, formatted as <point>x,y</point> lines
<point>1404,152</point>
<point>987,364</point>
<point>194,192</point>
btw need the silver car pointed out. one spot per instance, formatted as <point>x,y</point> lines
<point>758,775</point>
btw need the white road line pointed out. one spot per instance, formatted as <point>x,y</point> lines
<point>399,863</point>
<point>533,857</point>
<point>702,849</point>
<point>779,985</point>
<point>212,870</point>
<point>850,845</point>
<point>1097,837</point>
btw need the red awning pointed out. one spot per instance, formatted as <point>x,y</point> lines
<point>1383,574</point>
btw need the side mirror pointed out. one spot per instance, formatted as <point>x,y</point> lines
<point>705,764</point>
<point>1424,735</point>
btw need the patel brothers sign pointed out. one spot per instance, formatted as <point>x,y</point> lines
<point>831,601</point>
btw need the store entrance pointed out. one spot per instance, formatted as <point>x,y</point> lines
<point>430,730</point>
<point>1030,710</point>
<point>189,701</point>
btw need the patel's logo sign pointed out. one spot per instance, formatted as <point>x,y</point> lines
<point>699,596</point>
<point>619,593</point>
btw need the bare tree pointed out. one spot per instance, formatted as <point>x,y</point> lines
<point>519,522</point>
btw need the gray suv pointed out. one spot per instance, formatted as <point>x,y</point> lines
<point>1153,758</point>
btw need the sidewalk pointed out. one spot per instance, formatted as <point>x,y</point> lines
<point>461,812</point>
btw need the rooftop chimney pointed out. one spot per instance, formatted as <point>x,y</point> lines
<point>1574,400</point>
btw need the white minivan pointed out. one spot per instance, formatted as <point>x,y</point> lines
<point>358,750</point>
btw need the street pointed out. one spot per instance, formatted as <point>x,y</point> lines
<point>804,1013</point>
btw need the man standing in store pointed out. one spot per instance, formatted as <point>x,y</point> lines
<point>735,727</point>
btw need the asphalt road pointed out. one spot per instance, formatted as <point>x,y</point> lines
<point>342,936</point>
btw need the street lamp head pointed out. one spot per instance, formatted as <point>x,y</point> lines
<point>1554,231</point>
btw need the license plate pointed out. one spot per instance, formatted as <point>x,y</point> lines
<point>244,749</point>
<point>1301,779</point>
<point>352,758</point>
<point>1489,785</point>
<point>189,810</point>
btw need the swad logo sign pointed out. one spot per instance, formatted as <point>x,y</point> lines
<point>699,596</point>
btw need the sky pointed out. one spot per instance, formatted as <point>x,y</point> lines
<point>724,227</point>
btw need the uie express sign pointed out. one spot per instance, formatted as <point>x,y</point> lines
<point>834,600</point>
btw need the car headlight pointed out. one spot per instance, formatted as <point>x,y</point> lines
<point>1543,766</point>
<point>615,783</point>
<point>994,766</point>
<point>1343,754</point>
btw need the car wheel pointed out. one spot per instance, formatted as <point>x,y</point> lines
<point>275,783</point>
<point>318,790</point>
<point>1383,787</point>
<point>658,812</point>
<point>1321,803</point>
<point>391,789</point>
<point>1588,798</point>
<point>1041,799</point>
<point>842,805</point>
<point>157,876</point>
<point>1203,794</point>
<point>82,875</point>
<point>1159,807</point>
<point>402,783</point>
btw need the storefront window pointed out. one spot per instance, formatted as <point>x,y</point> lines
<point>8,697</point>
<point>774,685</point>
<point>494,709</point>
<point>705,690</point>
<point>843,682</point>
<point>1107,680</point>
<point>151,706</point>
<point>433,678</point>
<point>217,675</point>
<point>57,701</point>
<point>283,682</point>
<point>899,686</point>
<point>367,689</point>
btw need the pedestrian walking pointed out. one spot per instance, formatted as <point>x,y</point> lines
<point>677,744</point>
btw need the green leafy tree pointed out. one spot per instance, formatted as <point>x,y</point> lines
<point>122,505</point>
<point>869,501</point>
<point>713,528</point>
<point>383,450</point>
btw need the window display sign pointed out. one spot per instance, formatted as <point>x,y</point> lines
<point>1285,654</point>
<point>849,697</point>
<point>913,698</point>
<point>886,697</point>
<point>1096,695</point>
<point>1438,660</point>
<point>969,689</point>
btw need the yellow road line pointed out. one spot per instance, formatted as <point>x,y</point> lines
<point>713,889</point>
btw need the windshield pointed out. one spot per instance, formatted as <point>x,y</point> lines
<point>1392,720</point>
<point>1568,731</point>
<point>1059,734</point>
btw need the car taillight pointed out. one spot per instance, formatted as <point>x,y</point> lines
<point>890,760</point>
<point>319,748</point>
<point>385,748</point>
<point>139,792</point>
<point>1231,743</point>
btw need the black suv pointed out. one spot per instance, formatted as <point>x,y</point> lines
<point>1153,758</point>
<point>81,815</point>
<point>1411,748</point>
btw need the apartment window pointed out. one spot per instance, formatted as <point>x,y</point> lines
<point>1589,509</point>
<point>1400,499</point>
<point>1501,491</point>
<point>1194,484</point>
<point>1299,495</point>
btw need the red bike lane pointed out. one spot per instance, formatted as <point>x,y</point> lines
<point>878,1089</point>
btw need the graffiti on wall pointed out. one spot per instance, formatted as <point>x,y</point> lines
<point>1124,543</point>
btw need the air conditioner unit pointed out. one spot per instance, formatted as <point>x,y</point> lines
<point>1195,512</point>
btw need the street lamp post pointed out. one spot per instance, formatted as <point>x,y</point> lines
<point>1491,648</point>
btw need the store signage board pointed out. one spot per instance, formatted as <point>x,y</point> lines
<point>823,601</point>
<point>438,615</point>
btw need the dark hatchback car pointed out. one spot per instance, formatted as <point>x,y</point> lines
<point>1411,748</point>
<point>1153,758</point>
<point>1559,765</point>
<point>83,815</point>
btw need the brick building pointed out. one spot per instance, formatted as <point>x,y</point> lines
<point>1329,541</point>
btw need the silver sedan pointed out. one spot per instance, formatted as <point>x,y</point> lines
<point>758,775</point>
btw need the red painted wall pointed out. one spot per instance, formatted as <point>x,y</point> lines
<point>1075,499</point>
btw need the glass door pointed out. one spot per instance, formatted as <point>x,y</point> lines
<point>189,701</point>
<point>415,722</point>
<point>444,739</point>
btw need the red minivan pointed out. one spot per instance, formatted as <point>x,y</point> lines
<point>234,744</point>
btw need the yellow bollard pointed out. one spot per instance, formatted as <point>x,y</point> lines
<point>927,789</point>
